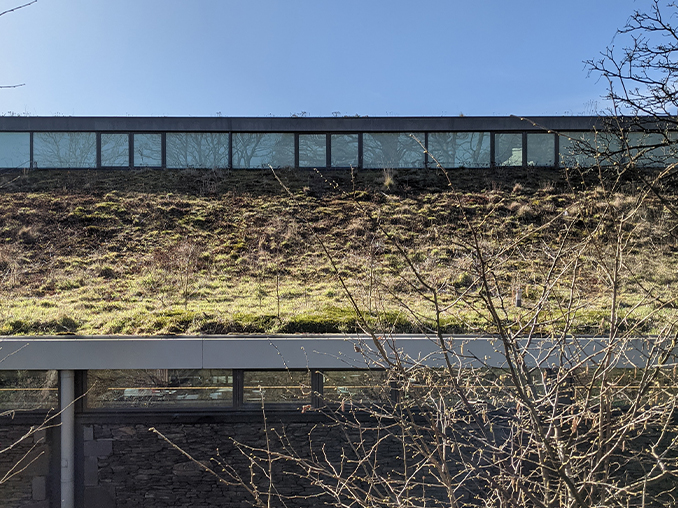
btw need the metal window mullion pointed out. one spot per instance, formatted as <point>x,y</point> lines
<point>328,150</point>
<point>425,149</point>
<point>316,388</point>
<point>493,160</point>
<point>130,140</point>
<point>98,143</point>
<point>238,388</point>
<point>31,164</point>
<point>360,150</point>
<point>556,147</point>
<point>296,149</point>
<point>163,150</point>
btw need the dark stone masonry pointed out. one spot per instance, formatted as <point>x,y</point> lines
<point>27,467</point>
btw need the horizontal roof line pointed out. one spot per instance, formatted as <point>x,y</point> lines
<point>290,352</point>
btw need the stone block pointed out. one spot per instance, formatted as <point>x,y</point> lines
<point>91,471</point>
<point>98,448</point>
<point>88,433</point>
<point>39,488</point>
<point>99,497</point>
<point>124,433</point>
<point>40,436</point>
<point>37,504</point>
<point>39,466</point>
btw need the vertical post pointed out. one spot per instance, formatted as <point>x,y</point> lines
<point>67,408</point>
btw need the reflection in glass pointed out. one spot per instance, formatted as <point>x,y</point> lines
<point>253,150</point>
<point>356,386</point>
<point>653,149</point>
<point>541,149</point>
<point>15,150</point>
<point>115,150</point>
<point>508,149</point>
<point>344,150</point>
<point>393,150</point>
<point>277,386</point>
<point>197,150</point>
<point>65,149</point>
<point>147,150</point>
<point>28,389</point>
<point>312,150</point>
<point>159,388</point>
<point>586,149</point>
<point>460,149</point>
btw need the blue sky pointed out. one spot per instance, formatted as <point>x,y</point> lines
<point>284,57</point>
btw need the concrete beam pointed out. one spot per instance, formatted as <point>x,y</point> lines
<point>294,352</point>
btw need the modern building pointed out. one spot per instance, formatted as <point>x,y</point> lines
<point>358,142</point>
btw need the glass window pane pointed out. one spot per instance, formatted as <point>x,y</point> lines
<point>508,149</point>
<point>344,150</point>
<point>652,149</point>
<point>65,149</point>
<point>29,389</point>
<point>251,150</point>
<point>159,388</point>
<point>277,386</point>
<point>393,150</point>
<point>460,149</point>
<point>356,386</point>
<point>15,150</point>
<point>147,150</point>
<point>541,149</point>
<point>115,150</point>
<point>197,150</point>
<point>312,150</point>
<point>587,149</point>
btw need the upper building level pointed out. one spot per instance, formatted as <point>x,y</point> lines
<point>343,142</point>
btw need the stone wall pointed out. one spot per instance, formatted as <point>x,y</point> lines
<point>129,466</point>
<point>126,465</point>
<point>26,470</point>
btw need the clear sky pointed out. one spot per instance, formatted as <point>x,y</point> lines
<point>284,57</point>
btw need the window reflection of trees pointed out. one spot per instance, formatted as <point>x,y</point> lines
<point>508,149</point>
<point>159,387</point>
<point>586,149</point>
<point>312,150</point>
<point>197,150</point>
<point>277,386</point>
<point>460,149</point>
<point>356,386</point>
<point>114,150</point>
<point>540,149</point>
<point>392,150</point>
<point>65,149</point>
<point>147,150</point>
<point>344,150</point>
<point>253,150</point>
<point>28,389</point>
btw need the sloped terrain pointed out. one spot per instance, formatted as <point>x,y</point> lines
<point>150,252</point>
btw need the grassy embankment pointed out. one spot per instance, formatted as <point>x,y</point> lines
<point>149,252</point>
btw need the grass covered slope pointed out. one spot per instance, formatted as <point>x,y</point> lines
<point>150,252</point>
